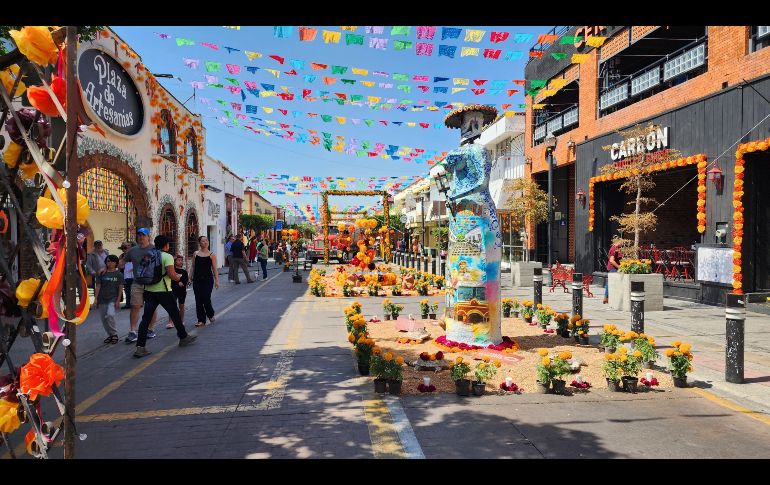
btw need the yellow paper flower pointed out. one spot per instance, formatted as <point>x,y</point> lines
<point>36,43</point>
<point>9,417</point>
<point>8,77</point>
<point>11,155</point>
<point>49,215</point>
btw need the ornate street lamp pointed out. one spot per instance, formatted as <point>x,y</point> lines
<point>550,145</point>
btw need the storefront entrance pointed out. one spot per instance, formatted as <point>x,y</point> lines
<point>756,241</point>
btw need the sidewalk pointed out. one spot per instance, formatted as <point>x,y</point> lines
<point>698,324</point>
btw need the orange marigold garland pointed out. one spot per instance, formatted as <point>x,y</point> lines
<point>701,204</point>
<point>39,375</point>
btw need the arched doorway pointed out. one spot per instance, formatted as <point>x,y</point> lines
<point>192,232</point>
<point>168,227</point>
<point>114,214</point>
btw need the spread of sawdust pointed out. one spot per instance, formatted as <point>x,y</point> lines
<point>529,338</point>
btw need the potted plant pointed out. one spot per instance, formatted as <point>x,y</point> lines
<point>646,345</point>
<point>630,365</point>
<point>580,330</point>
<point>423,288</point>
<point>387,308</point>
<point>679,362</point>
<point>374,289</point>
<point>635,270</point>
<point>612,371</point>
<point>544,315</point>
<point>507,306</point>
<point>527,310</point>
<point>459,372</point>
<point>356,306</point>
<point>364,346</point>
<point>544,372</point>
<point>562,320</point>
<point>560,367</point>
<point>433,310</point>
<point>516,308</point>
<point>387,367</point>
<point>424,309</point>
<point>395,310</point>
<point>484,371</point>
<point>379,370</point>
<point>610,338</point>
<point>396,290</point>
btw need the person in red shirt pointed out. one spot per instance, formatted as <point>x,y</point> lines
<point>613,263</point>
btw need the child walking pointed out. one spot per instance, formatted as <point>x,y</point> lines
<point>109,288</point>
<point>179,288</point>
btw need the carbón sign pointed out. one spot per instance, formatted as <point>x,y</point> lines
<point>110,92</point>
<point>655,140</point>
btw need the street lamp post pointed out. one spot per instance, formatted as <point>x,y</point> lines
<point>550,145</point>
<point>422,222</point>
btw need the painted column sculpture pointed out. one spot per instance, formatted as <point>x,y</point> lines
<point>475,244</point>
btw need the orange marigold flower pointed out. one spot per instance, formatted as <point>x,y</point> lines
<point>546,361</point>
<point>542,352</point>
<point>388,356</point>
<point>565,355</point>
<point>400,360</point>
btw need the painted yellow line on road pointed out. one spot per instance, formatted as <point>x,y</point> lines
<point>157,413</point>
<point>382,433</point>
<point>731,405</point>
<point>94,398</point>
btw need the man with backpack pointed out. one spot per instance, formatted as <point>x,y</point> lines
<point>135,255</point>
<point>156,272</point>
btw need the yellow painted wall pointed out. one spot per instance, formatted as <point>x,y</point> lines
<point>110,227</point>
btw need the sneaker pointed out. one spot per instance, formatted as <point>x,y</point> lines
<point>131,337</point>
<point>151,334</point>
<point>141,352</point>
<point>190,338</point>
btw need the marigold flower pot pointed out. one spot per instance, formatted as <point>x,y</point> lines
<point>516,314</point>
<point>609,350</point>
<point>432,316</point>
<point>528,319</point>
<point>394,316</point>
<point>558,386</point>
<point>565,334</point>
<point>583,340</point>
<point>541,388</point>
<point>680,381</point>
<point>613,386</point>
<point>478,388</point>
<point>629,383</point>
<point>577,338</point>
<point>463,387</point>
<point>650,364</point>
<point>363,368</point>
<point>387,316</point>
<point>394,387</point>
<point>506,314</point>
<point>424,316</point>
<point>380,385</point>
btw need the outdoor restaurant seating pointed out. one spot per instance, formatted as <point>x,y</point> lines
<point>676,263</point>
<point>562,275</point>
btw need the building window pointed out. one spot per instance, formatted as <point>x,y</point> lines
<point>560,113</point>
<point>168,227</point>
<point>685,62</point>
<point>166,134</point>
<point>191,151</point>
<point>192,233</point>
<point>760,37</point>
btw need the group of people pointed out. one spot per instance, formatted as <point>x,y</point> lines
<point>235,256</point>
<point>152,277</point>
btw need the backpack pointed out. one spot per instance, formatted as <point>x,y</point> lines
<point>150,270</point>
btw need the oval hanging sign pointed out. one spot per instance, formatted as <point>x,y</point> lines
<point>110,92</point>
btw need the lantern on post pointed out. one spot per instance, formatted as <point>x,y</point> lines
<point>717,177</point>
<point>581,197</point>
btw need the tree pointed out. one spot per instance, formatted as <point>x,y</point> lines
<point>528,204</point>
<point>255,222</point>
<point>636,171</point>
<point>442,236</point>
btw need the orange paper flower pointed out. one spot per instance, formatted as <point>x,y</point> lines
<point>41,100</point>
<point>39,375</point>
<point>36,43</point>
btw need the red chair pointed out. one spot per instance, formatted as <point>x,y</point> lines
<point>685,257</point>
<point>587,280</point>
<point>660,264</point>
<point>671,262</point>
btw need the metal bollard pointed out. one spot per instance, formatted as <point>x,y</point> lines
<point>443,268</point>
<point>637,306</point>
<point>433,266</point>
<point>577,294</point>
<point>735,313</point>
<point>425,264</point>
<point>537,278</point>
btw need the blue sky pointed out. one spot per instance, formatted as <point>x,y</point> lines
<point>249,154</point>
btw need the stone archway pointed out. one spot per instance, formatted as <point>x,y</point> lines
<point>133,181</point>
<point>192,231</point>
<point>167,225</point>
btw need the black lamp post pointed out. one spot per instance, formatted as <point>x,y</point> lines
<point>550,145</point>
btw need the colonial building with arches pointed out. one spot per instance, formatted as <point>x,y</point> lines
<point>143,158</point>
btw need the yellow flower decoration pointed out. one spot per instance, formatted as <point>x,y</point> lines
<point>36,43</point>
<point>9,417</point>
<point>400,360</point>
<point>9,76</point>
<point>669,352</point>
<point>546,361</point>
<point>459,360</point>
<point>685,348</point>
<point>388,356</point>
<point>542,352</point>
<point>676,344</point>
<point>565,355</point>
<point>637,354</point>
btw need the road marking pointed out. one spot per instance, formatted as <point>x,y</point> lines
<point>382,433</point>
<point>731,405</point>
<point>94,398</point>
<point>404,429</point>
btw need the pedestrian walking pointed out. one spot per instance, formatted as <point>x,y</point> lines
<point>239,261</point>
<point>135,256</point>
<point>613,264</point>
<point>127,267</point>
<point>156,272</point>
<point>108,288</point>
<point>252,250</point>
<point>205,277</point>
<point>229,258</point>
<point>262,257</point>
<point>95,261</point>
<point>179,288</point>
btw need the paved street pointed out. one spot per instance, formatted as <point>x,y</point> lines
<point>274,377</point>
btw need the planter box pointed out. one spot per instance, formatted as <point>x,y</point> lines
<point>620,291</point>
<point>523,272</point>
